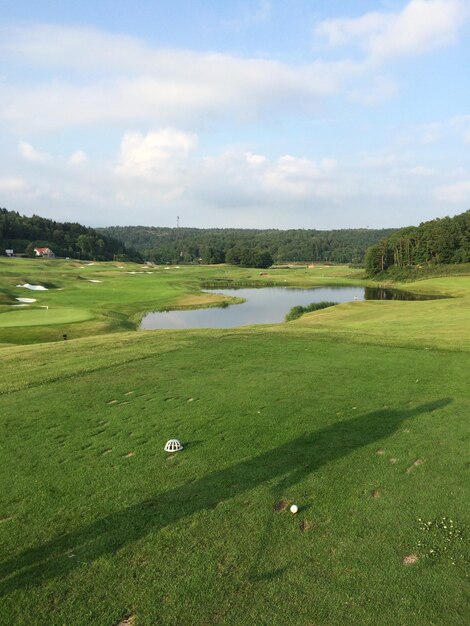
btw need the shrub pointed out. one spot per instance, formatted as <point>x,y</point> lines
<point>298,311</point>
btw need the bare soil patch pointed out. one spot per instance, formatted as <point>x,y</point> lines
<point>416,463</point>
<point>127,621</point>
<point>410,559</point>
<point>281,505</point>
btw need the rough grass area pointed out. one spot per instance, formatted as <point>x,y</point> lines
<point>99,523</point>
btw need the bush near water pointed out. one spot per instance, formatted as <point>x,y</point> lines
<point>299,310</point>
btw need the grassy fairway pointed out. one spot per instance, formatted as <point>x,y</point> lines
<point>434,323</point>
<point>98,522</point>
<point>370,438</point>
<point>100,298</point>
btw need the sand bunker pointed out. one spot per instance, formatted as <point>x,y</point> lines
<point>27,300</point>
<point>33,287</point>
<point>91,280</point>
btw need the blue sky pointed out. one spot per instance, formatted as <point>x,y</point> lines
<point>257,113</point>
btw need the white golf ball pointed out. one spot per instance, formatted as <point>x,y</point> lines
<point>294,508</point>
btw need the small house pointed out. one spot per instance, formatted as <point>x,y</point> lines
<point>46,253</point>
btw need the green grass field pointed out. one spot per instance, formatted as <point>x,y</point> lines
<point>359,414</point>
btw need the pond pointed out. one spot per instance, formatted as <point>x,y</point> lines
<point>266,305</point>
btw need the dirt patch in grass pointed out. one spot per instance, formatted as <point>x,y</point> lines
<point>127,621</point>
<point>410,559</point>
<point>305,525</point>
<point>281,505</point>
<point>129,454</point>
<point>375,493</point>
<point>416,463</point>
<point>393,460</point>
<point>380,451</point>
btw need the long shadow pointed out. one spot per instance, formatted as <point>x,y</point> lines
<point>290,462</point>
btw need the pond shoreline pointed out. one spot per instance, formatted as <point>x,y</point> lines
<point>264,304</point>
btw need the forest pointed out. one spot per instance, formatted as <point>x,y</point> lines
<point>22,234</point>
<point>247,247</point>
<point>440,241</point>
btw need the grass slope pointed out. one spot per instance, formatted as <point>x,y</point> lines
<point>369,437</point>
<point>99,522</point>
<point>444,323</point>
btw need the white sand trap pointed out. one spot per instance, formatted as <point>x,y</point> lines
<point>27,300</point>
<point>167,268</point>
<point>91,280</point>
<point>88,264</point>
<point>33,287</point>
<point>19,305</point>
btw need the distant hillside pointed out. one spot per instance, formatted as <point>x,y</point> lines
<point>22,234</point>
<point>234,245</point>
<point>439,241</point>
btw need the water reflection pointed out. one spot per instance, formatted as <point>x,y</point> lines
<point>267,305</point>
<point>379,293</point>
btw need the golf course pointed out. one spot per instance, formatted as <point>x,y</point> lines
<point>357,413</point>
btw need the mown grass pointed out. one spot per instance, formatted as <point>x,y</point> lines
<point>355,417</point>
<point>434,323</point>
<point>121,294</point>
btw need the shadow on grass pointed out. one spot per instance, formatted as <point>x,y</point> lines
<point>290,462</point>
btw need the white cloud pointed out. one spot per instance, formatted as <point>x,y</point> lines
<point>421,26</point>
<point>457,126</point>
<point>30,153</point>
<point>432,133</point>
<point>255,159</point>
<point>461,124</point>
<point>162,173</point>
<point>458,192</point>
<point>77,158</point>
<point>11,184</point>
<point>418,170</point>
<point>151,154</point>
<point>101,78</point>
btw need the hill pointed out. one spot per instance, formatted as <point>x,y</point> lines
<point>237,245</point>
<point>439,241</point>
<point>22,234</point>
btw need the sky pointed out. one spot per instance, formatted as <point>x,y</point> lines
<point>321,114</point>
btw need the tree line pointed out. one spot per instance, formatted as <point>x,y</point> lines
<point>22,234</point>
<point>247,247</point>
<point>439,241</point>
